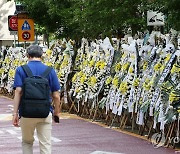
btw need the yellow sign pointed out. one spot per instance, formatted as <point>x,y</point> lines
<point>25,30</point>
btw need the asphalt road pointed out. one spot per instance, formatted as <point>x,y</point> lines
<point>74,135</point>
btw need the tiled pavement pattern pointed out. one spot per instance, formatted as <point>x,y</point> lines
<point>75,136</point>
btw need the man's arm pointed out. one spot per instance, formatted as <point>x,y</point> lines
<point>17,97</point>
<point>56,102</point>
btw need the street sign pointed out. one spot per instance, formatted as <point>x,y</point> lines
<point>25,30</point>
<point>18,3</point>
<point>13,32</point>
<point>155,18</point>
<point>26,26</point>
<point>12,23</point>
<point>26,35</point>
<point>22,16</point>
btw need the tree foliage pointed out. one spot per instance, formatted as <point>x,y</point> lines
<point>171,10</point>
<point>89,18</point>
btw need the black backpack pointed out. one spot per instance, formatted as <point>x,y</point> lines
<point>35,100</point>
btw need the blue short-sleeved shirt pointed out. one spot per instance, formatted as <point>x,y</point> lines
<point>37,68</point>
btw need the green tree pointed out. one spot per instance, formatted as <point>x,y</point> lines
<point>91,19</point>
<point>171,10</point>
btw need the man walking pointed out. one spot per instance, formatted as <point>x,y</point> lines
<point>28,125</point>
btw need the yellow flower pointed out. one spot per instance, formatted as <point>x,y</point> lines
<point>56,66</point>
<point>157,66</point>
<point>108,80</point>
<point>92,80</point>
<point>141,101</point>
<point>117,67</point>
<point>49,64</point>
<point>49,52</point>
<point>66,57</point>
<point>125,66</point>
<point>162,68</point>
<point>74,77</point>
<point>147,81</point>
<point>77,58</point>
<point>83,56</point>
<point>85,63</point>
<point>118,104</point>
<point>145,65</point>
<point>131,69</point>
<point>123,87</point>
<point>64,63</point>
<point>173,97</point>
<point>124,55</point>
<point>22,63</point>
<point>132,56</point>
<point>168,56</point>
<point>136,82</point>
<point>60,57</point>
<point>96,52</point>
<point>147,84</point>
<point>7,60</point>
<point>175,69</point>
<point>80,73</point>
<point>1,70</point>
<point>98,64</point>
<point>82,79</point>
<point>107,54</point>
<point>59,75</point>
<point>11,73</point>
<point>115,81</point>
<point>16,62</point>
<point>151,82</point>
<point>77,90</point>
<point>102,65</point>
<point>91,63</point>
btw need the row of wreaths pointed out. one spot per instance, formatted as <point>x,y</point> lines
<point>129,83</point>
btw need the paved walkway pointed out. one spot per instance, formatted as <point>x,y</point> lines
<point>75,136</point>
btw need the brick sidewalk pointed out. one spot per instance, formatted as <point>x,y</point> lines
<point>75,136</point>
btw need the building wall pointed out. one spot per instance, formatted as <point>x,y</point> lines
<point>7,43</point>
<point>6,9</point>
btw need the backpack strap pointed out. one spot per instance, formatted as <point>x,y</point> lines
<point>46,72</point>
<point>27,70</point>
